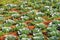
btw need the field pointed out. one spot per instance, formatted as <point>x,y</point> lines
<point>29,19</point>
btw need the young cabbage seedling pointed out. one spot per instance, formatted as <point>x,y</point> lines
<point>10,37</point>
